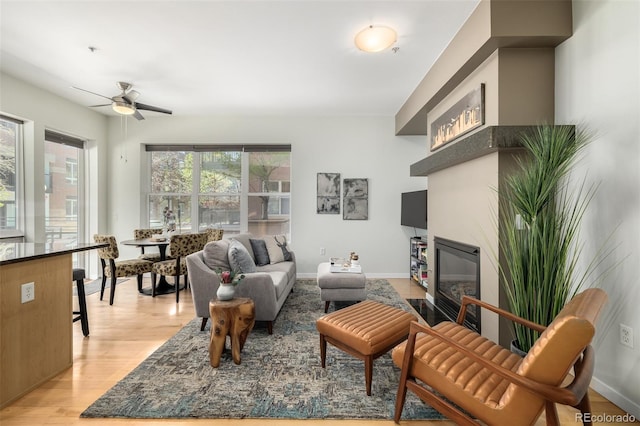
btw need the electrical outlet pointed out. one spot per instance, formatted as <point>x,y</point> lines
<point>322,251</point>
<point>28,292</point>
<point>626,335</point>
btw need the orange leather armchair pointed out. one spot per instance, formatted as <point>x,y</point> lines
<point>469,377</point>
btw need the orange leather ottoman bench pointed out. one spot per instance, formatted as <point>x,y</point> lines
<point>365,330</point>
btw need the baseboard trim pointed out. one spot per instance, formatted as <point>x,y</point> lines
<point>616,397</point>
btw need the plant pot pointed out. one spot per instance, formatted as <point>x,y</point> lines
<point>226,291</point>
<point>515,348</point>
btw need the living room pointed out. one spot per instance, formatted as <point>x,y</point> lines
<point>596,73</point>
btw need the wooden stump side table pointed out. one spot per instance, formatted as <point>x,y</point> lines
<point>235,318</point>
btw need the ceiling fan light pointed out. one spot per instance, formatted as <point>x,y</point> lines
<point>375,38</point>
<point>123,108</point>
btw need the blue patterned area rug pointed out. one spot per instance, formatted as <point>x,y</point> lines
<point>279,376</point>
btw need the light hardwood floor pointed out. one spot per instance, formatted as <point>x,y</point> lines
<point>124,334</point>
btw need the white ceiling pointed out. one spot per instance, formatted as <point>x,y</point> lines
<point>228,57</point>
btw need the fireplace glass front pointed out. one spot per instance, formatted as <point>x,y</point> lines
<point>457,274</point>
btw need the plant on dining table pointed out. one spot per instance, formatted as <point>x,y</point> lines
<point>229,277</point>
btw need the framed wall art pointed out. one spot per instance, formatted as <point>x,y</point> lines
<point>355,199</point>
<point>328,193</point>
<point>464,116</point>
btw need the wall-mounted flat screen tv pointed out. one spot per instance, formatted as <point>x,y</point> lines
<point>414,209</point>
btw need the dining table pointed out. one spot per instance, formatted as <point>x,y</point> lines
<point>163,286</point>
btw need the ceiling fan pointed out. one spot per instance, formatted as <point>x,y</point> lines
<point>125,102</point>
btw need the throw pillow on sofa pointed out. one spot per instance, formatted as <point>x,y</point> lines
<point>239,258</point>
<point>260,251</point>
<point>277,248</point>
<point>216,254</point>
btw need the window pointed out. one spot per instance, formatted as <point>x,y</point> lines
<point>10,178</point>
<point>71,207</point>
<point>64,209</point>
<point>72,171</point>
<point>237,189</point>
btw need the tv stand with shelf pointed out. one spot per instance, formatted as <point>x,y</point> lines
<point>418,261</point>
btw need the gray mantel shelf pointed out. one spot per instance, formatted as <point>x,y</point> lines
<point>483,142</point>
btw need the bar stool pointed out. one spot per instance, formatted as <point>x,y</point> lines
<point>78,277</point>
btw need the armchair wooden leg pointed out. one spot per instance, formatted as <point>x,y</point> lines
<point>139,283</point>
<point>585,408</point>
<point>551,414</point>
<point>404,374</point>
<point>204,323</point>
<point>270,327</point>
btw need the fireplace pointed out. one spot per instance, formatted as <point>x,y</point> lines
<point>457,273</point>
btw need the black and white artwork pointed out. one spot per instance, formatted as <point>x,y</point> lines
<point>328,193</point>
<point>355,199</point>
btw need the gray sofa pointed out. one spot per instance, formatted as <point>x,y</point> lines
<point>268,286</point>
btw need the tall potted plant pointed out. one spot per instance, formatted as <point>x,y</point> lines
<point>539,228</point>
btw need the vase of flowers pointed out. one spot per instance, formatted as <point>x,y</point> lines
<point>228,282</point>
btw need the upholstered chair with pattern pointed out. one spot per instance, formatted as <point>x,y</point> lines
<point>113,268</point>
<point>140,234</point>
<point>214,234</point>
<point>181,245</point>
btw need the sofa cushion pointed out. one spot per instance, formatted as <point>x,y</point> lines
<point>260,251</point>
<point>287,267</point>
<point>239,258</point>
<point>216,254</point>
<point>277,248</point>
<point>245,240</point>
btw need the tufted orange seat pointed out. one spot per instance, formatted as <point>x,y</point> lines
<point>489,382</point>
<point>365,330</point>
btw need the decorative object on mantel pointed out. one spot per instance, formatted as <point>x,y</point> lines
<point>328,193</point>
<point>466,115</point>
<point>356,199</point>
<point>540,220</point>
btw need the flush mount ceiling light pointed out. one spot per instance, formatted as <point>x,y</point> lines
<point>123,108</point>
<point>375,38</point>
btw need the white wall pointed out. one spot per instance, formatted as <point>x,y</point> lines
<point>355,147</point>
<point>597,84</point>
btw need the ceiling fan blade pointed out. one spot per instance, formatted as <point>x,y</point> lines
<point>152,108</point>
<point>138,116</point>
<point>93,93</point>
<point>101,105</point>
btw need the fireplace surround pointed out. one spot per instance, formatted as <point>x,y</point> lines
<point>457,273</point>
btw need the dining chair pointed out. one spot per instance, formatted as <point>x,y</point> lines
<point>214,234</point>
<point>471,379</point>
<point>181,245</point>
<point>142,233</point>
<point>113,268</point>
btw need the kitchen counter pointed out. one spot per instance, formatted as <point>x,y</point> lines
<point>35,335</point>
<point>20,252</point>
